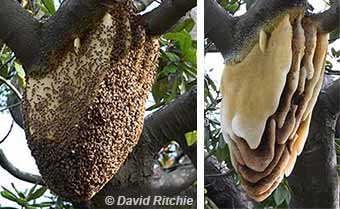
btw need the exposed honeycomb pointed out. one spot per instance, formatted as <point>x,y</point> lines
<point>85,115</point>
<point>268,100</point>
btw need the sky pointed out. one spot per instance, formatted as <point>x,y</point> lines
<point>15,146</point>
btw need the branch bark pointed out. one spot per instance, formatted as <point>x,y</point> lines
<point>35,43</point>
<point>330,19</point>
<point>222,189</point>
<point>166,15</point>
<point>16,172</point>
<point>237,35</point>
<point>217,22</point>
<point>19,30</point>
<point>314,180</point>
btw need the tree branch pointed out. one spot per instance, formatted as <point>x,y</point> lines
<point>241,37</point>
<point>19,30</point>
<point>333,97</point>
<point>222,190</point>
<point>175,181</point>
<point>74,18</point>
<point>8,166</point>
<point>218,25</point>
<point>166,15</point>
<point>330,19</point>
<point>11,87</point>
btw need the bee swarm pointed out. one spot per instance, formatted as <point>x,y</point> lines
<point>85,115</point>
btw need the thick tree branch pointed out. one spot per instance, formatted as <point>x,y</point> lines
<point>334,97</point>
<point>222,189</point>
<point>314,180</point>
<point>8,166</point>
<point>19,30</point>
<point>176,181</point>
<point>166,15</point>
<point>330,19</point>
<point>35,44</point>
<point>217,22</point>
<point>241,37</point>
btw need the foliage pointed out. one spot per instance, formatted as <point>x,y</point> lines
<point>33,198</point>
<point>191,138</point>
<point>177,65</point>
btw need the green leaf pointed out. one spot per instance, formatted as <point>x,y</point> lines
<point>7,190</point>
<point>174,89</point>
<point>30,193</point>
<point>42,205</point>
<point>232,7</point>
<point>187,24</point>
<point>22,201</point>
<point>9,196</point>
<point>21,74</point>
<point>171,56</point>
<point>49,4</point>
<point>222,153</point>
<point>191,137</point>
<point>21,194</point>
<point>183,39</point>
<point>191,55</point>
<point>169,69</point>
<point>281,194</point>
<point>44,9</point>
<point>159,90</point>
<point>40,192</point>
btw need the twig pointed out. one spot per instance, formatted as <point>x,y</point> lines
<point>17,93</point>
<point>10,106</point>
<point>141,5</point>
<point>16,172</point>
<point>9,131</point>
<point>7,62</point>
<point>332,72</point>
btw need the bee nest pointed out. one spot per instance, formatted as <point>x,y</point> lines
<point>85,115</point>
<point>268,100</point>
